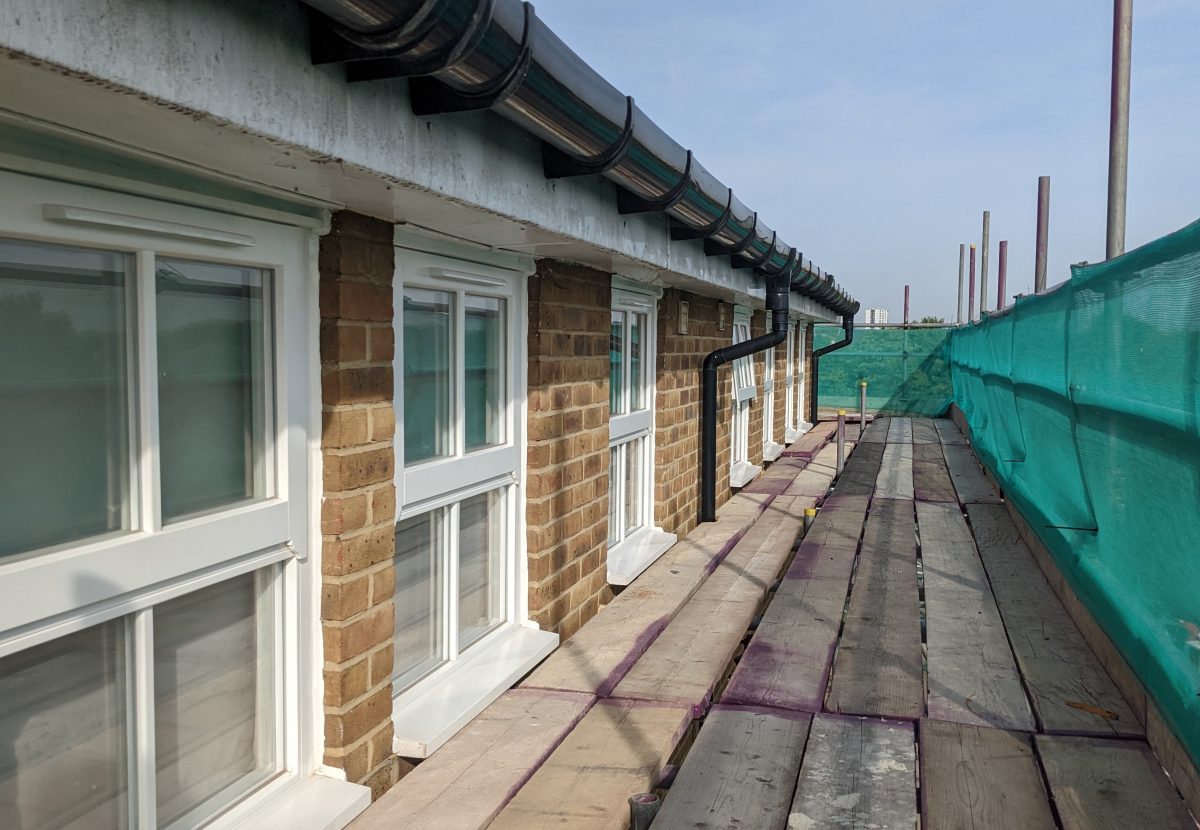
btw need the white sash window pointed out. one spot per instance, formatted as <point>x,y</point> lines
<point>155,401</point>
<point>795,423</point>
<point>633,540</point>
<point>461,582</point>
<point>744,391</point>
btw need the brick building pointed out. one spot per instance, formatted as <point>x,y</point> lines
<point>327,417</point>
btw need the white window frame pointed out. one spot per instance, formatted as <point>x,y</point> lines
<point>771,448</point>
<point>45,595</point>
<point>795,423</point>
<point>427,713</point>
<point>630,554</point>
<point>743,392</point>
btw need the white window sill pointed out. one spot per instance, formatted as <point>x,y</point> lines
<point>743,473</point>
<point>427,717</point>
<point>311,802</point>
<point>795,434</point>
<point>771,451</point>
<point>628,559</point>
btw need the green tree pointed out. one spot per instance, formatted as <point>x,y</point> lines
<point>929,318</point>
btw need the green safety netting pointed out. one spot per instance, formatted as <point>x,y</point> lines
<point>1085,403</point>
<point>905,370</point>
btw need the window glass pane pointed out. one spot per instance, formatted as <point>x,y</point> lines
<point>211,384</point>
<point>419,542</point>
<point>614,495</point>
<point>486,366</point>
<point>64,394</point>
<point>63,735</point>
<point>481,551</point>
<point>633,485</point>
<point>616,379</point>
<point>428,407</point>
<point>214,697</point>
<point>637,380</point>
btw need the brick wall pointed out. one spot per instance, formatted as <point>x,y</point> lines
<point>567,489</point>
<point>358,513</point>
<point>677,419</point>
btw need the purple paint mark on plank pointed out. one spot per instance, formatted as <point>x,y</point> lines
<point>775,486</point>
<point>541,759</point>
<point>804,673</point>
<point>643,641</point>
<point>786,714</point>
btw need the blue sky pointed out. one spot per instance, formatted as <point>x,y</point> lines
<point>873,133</point>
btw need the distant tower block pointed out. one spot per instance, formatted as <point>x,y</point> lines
<point>876,316</point>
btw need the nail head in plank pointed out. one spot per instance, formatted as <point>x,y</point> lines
<point>977,777</point>
<point>617,750</point>
<point>739,772</point>
<point>1058,666</point>
<point>1098,784</point>
<point>856,773</point>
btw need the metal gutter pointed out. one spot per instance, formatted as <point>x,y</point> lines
<point>496,54</point>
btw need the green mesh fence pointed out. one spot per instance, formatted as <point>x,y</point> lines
<point>905,370</point>
<point>1085,403</point>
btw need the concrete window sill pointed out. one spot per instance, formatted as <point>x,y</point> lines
<point>771,451</point>
<point>743,473</point>
<point>638,552</point>
<point>311,802</point>
<point>428,715</point>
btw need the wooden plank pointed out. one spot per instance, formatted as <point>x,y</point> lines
<point>1071,691</point>
<point>970,483</point>
<point>811,442</point>
<point>1098,784</point>
<point>878,666</point>
<point>786,665</point>
<point>900,431</point>
<point>618,749</point>
<point>466,783</point>
<point>739,772</point>
<point>931,479</point>
<point>857,773</point>
<point>976,777</point>
<point>691,655</point>
<point>895,480</point>
<point>597,656</point>
<point>924,432</point>
<point>948,432</point>
<point>876,432</point>
<point>862,469</point>
<point>972,675</point>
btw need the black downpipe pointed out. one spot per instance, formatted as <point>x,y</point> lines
<point>778,291</point>
<point>848,326</point>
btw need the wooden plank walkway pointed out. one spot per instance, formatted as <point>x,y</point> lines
<point>911,667</point>
<point>856,773</point>
<point>1071,691</point>
<point>734,770</point>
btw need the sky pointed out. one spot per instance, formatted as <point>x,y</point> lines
<point>872,134</point>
